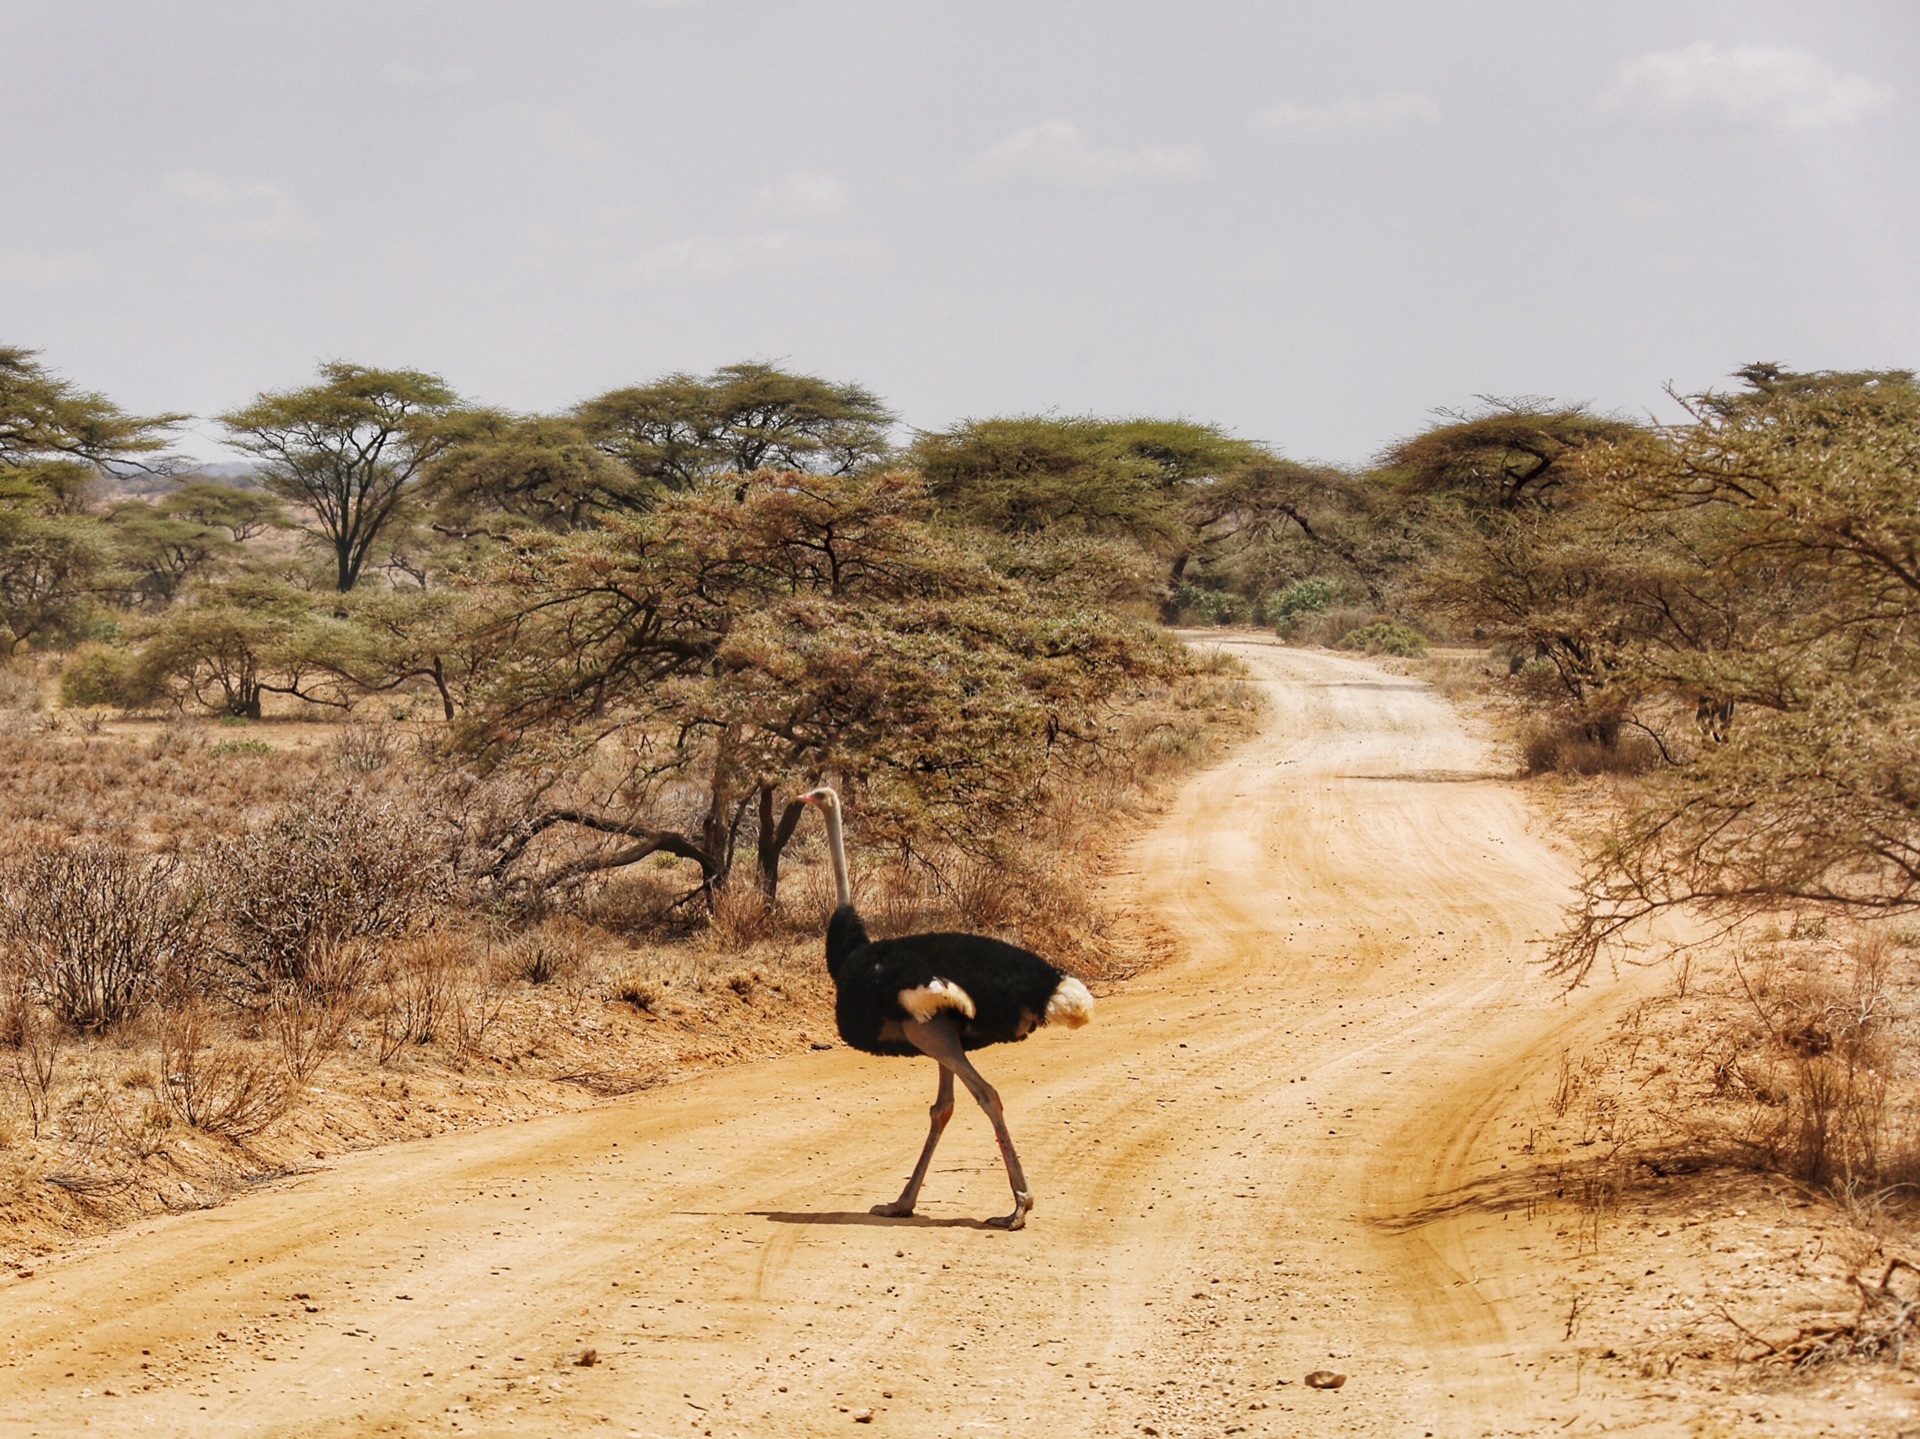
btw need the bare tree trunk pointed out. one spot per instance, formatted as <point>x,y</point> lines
<point>774,837</point>
<point>440,683</point>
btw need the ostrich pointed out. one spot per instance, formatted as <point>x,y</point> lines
<point>939,995</point>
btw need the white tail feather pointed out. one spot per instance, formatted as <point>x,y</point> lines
<point>1070,1005</point>
<point>929,999</point>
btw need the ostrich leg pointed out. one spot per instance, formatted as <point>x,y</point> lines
<point>941,1112</point>
<point>940,1040</point>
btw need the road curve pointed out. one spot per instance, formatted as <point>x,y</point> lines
<point>1280,1153</point>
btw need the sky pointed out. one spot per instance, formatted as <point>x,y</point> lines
<point>1315,222</point>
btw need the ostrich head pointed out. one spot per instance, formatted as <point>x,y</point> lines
<point>825,797</point>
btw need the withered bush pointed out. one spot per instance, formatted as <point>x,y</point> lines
<point>307,1023</point>
<point>363,749</point>
<point>741,913</point>
<point>418,992</point>
<point>1566,748</point>
<point>1819,1064</point>
<point>554,950</point>
<point>298,900</point>
<point>99,931</point>
<point>214,1081</point>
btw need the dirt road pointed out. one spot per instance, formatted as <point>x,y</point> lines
<point>1282,1153</point>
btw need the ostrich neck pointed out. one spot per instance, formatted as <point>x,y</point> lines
<point>837,846</point>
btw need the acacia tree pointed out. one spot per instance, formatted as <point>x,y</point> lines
<point>54,439</point>
<point>504,469</point>
<point>1525,553</point>
<point>1035,474</point>
<point>1794,501</point>
<point>348,451</point>
<point>1511,454</point>
<point>388,638</point>
<point>1350,524</point>
<point>228,644</point>
<point>730,651</point>
<point>685,428</point>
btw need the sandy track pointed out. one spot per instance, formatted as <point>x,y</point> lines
<point>1281,1153</point>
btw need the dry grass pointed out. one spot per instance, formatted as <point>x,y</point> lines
<point>1768,1094</point>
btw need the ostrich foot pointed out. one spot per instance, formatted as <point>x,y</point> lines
<point>899,1209</point>
<point>1022,1206</point>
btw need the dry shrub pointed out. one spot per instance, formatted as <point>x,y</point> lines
<point>363,749</point>
<point>35,1044</point>
<point>308,1024</point>
<point>898,898</point>
<point>647,899</point>
<point>99,931</point>
<point>1819,1061</point>
<point>20,690</point>
<point>643,991</point>
<point>1788,1058</point>
<point>1566,748</point>
<point>742,915</point>
<point>557,950</point>
<point>214,1081</point>
<point>415,996</point>
<point>294,898</point>
<point>479,1000</point>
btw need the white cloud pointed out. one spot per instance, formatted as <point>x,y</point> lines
<point>33,269</point>
<point>712,257</point>
<point>801,195</point>
<point>1055,150</point>
<point>1352,112</point>
<point>253,212</point>
<point>426,77</point>
<point>1748,83</point>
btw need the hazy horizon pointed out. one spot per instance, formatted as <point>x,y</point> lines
<point>1313,224</point>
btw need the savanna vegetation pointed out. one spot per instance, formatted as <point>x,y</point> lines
<point>453,753</point>
<point>352,753</point>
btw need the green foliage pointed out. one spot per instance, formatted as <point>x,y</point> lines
<point>1761,555</point>
<point>813,626</point>
<point>1510,455</point>
<point>97,674</point>
<point>532,469</point>
<point>239,746</point>
<point>241,513</point>
<point>686,428</point>
<point>1208,607</point>
<point>1385,637</point>
<point>54,437</point>
<point>1298,600</point>
<point>229,644</point>
<point>53,441</point>
<point>50,565</point>
<point>160,552</point>
<point>1033,474</point>
<point>348,451</point>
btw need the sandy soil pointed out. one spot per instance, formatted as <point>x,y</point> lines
<point>1286,1151</point>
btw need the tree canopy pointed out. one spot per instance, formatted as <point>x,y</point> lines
<point>743,417</point>
<point>813,626</point>
<point>348,451</point>
<point>1033,474</point>
<point>1765,555</point>
<point>532,470</point>
<point>1509,455</point>
<point>54,439</point>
